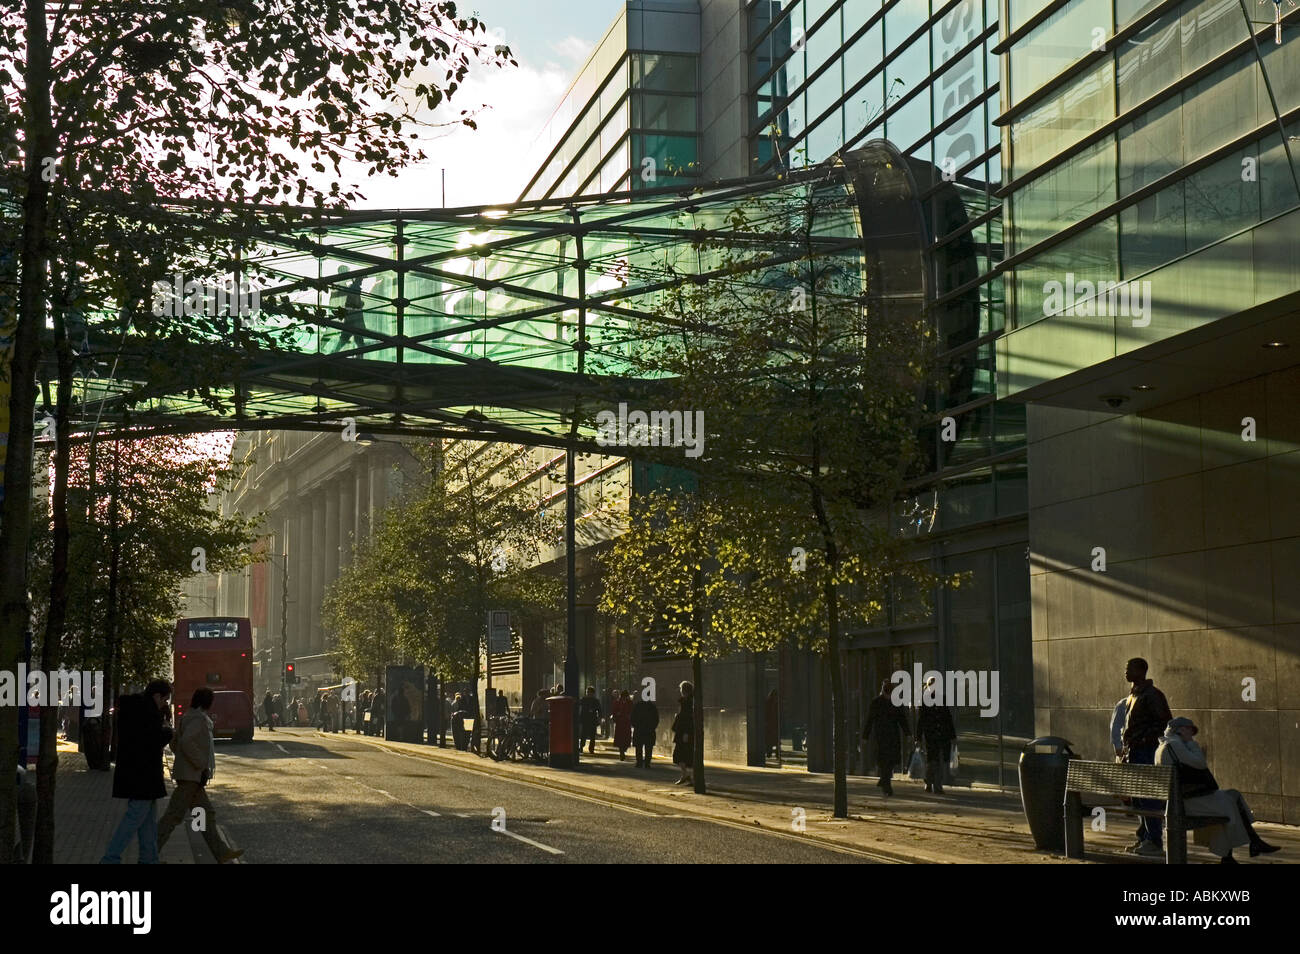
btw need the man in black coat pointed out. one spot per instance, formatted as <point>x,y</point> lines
<point>884,723</point>
<point>142,732</point>
<point>588,719</point>
<point>645,720</point>
<point>934,728</point>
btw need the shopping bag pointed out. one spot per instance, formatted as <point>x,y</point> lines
<point>916,768</point>
<point>954,761</point>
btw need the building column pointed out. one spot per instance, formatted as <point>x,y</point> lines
<point>379,468</point>
<point>332,538</point>
<point>361,516</point>
<point>347,518</point>
<point>317,559</point>
<point>300,579</point>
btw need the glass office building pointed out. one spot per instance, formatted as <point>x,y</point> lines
<point>1109,220</point>
<point>1153,263</point>
<point>827,76</point>
<point>630,118</point>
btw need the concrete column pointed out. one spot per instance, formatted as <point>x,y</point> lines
<point>317,571</point>
<point>332,535</point>
<point>300,579</point>
<point>379,468</point>
<point>347,518</point>
<point>361,499</point>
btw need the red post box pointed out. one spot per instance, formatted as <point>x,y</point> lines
<point>562,735</point>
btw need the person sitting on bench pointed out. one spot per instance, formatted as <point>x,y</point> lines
<point>1202,795</point>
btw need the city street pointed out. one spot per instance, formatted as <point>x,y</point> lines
<point>296,796</point>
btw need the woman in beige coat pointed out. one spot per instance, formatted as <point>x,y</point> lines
<point>1202,795</point>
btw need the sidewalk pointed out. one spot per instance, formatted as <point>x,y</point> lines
<point>963,825</point>
<point>86,814</point>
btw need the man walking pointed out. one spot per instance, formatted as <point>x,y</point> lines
<point>588,719</point>
<point>645,720</point>
<point>268,709</point>
<point>1144,726</point>
<point>936,732</point>
<point>196,763</point>
<point>885,724</point>
<point>141,733</point>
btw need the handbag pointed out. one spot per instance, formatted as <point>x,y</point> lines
<point>954,760</point>
<point>916,768</point>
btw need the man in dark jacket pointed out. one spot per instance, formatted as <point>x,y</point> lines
<point>588,719</point>
<point>142,733</point>
<point>645,720</point>
<point>934,728</point>
<point>268,709</point>
<point>1144,725</point>
<point>881,733</point>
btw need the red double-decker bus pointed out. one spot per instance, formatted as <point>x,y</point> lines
<point>216,652</point>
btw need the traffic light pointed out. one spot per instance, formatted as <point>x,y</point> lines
<point>289,675</point>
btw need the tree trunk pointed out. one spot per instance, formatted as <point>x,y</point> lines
<point>17,517</point>
<point>47,765</point>
<point>111,662</point>
<point>839,736</point>
<point>697,713</point>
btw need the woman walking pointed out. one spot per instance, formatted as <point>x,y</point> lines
<point>684,734</point>
<point>620,711</point>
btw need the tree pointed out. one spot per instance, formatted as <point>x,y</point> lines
<point>464,544</point>
<point>812,394</point>
<point>662,577</point>
<point>220,101</point>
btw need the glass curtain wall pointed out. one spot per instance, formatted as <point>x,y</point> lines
<point>1172,138</point>
<point>831,75</point>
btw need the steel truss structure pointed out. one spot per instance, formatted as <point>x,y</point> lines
<point>488,322</point>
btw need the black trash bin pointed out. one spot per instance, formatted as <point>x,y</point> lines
<point>1042,790</point>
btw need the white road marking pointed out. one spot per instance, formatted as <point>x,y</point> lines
<point>282,748</point>
<point>529,841</point>
<point>430,813</point>
<point>529,782</point>
<point>462,815</point>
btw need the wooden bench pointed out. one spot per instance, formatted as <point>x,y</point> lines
<point>1127,780</point>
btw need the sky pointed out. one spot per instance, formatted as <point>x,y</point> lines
<point>550,39</point>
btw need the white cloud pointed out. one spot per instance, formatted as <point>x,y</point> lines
<point>490,164</point>
<point>574,49</point>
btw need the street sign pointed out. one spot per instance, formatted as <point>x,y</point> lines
<point>498,632</point>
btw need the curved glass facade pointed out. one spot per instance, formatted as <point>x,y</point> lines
<point>827,76</point>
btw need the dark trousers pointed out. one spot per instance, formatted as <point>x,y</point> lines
<point>643,750</point>
<point>1150,829</point>
<point>886,770</point>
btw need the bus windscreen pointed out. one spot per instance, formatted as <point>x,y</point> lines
<point>218,629</point>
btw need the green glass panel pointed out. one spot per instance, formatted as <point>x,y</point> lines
<point>1061,39</point>
<point>1063,119</point>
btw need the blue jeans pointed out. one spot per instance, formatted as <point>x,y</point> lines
<point>140,820</point>
<point>1150,829</point>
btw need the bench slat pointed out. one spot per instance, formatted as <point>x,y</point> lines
<point>1121,779</point>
